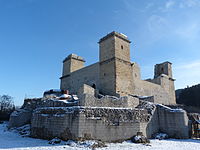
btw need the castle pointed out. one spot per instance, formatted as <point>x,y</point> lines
<point>113,103</point>
<point>116,75</point>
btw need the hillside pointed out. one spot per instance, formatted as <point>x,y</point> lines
<point>189,96</point>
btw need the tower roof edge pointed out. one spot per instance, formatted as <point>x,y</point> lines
<point>74,56</point>
<point>117,34</point>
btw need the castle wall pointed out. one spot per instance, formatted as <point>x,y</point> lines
<point>162,88</point>
<point>107,124</point>
<point>108,101</point>
<point>95,128</point>
<point>107,78</point>
<point>23,115</point>
<point>110,125</point>
<point>50,122</point>
<point>145,88</point>
<point>124,80</point>
<point>19,118</point>
<point>174,122</point>
<point>87,75</point>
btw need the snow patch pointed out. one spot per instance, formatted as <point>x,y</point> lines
<point>161,136</point>
<point>170,109</point>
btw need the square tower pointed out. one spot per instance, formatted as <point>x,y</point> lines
<point>163,68</point>
<point>115,66</point>
<point>72,63</point>
<point>114,45</point>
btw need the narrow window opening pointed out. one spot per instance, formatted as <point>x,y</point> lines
<point>122,47</point>
<point>162,69</point>
<point>94,86</point>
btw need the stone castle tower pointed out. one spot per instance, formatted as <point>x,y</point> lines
<point>116,75</point>
<point>115,65</point>
<point>72,63</point>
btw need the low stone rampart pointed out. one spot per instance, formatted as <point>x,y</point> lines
<point>23,116</point>
<point>106,124</point>
<point>19,118</point>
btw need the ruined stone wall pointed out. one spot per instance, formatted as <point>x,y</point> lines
<point>108,123</point>
<point>88,75</point>
<point>50,122</point>
<point>23,115</point>
<point>19,118</point>
<point>111,125</point>
<point>86,89</point>
<point>108,101</point>
<point>174,122</point>
<point>88,123</point>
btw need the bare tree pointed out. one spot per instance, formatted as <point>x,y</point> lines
<point>6,107</point>
<point>6,103</point>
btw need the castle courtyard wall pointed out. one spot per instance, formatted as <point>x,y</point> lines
<point>146,88</point>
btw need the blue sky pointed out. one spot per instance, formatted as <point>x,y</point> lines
<point>36,35</point>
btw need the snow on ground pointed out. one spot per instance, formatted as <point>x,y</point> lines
<point>12,140</point>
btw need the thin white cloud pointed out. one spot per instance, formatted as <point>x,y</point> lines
<point>169,4</point>
<point>161,25</point>
<point>149,5</point>
<point>189,31</point>
<point>158,26</point>
<point>189,3</point>
<point>187,74</point>
<point>191,65</point>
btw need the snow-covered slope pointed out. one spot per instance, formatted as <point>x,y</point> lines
<point>14,141</point>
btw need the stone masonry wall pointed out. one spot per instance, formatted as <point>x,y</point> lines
<point>87,123</point>
<point>108,101</point>
<point>111,125</point>
<point>108,124</point>
<point>174,122</point>
<point>146,88</point>
<point>51,122</point>
<point>124,80</point>
<point>88,75</point>
<point>23,115</point>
